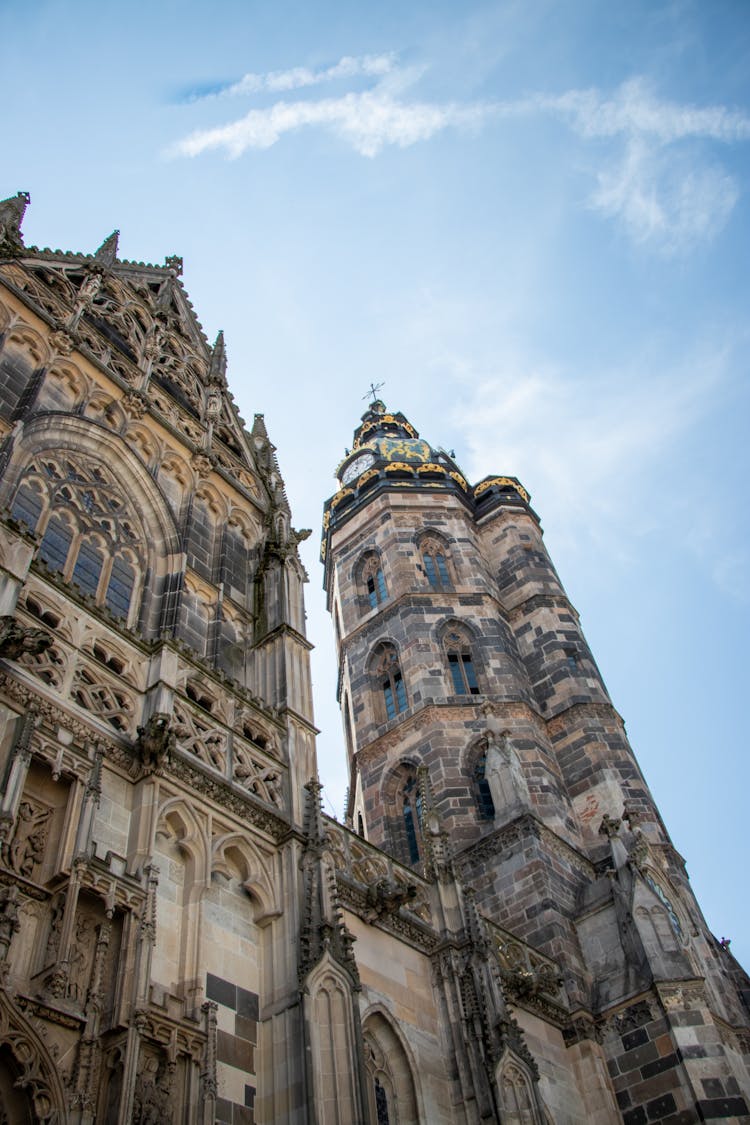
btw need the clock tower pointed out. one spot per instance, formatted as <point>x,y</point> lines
<point>474,714</point>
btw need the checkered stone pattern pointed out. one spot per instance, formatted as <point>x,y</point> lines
<point>237,1038</point>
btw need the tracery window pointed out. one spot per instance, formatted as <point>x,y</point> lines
<point>457,648</point>
<point>372,581</point>
<point>435,563</point>
<point>390,680</point>
<point>87,527</point>
<point>518,1102</point>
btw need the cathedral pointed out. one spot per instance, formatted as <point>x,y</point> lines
<point>501,930</point>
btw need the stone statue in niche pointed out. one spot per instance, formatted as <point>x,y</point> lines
<point>16,639</point>
<point>503,769</point>
<point>80,957</point>
<point>151,1101</point>
<point>26,849</point>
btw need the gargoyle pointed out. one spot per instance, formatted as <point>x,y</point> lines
<point>155,742</point>
<point>386,897</point>
<point>16,639</point>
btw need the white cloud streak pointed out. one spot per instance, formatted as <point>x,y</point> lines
<point>663,196</point>
<point>368,121</point>
<point>299,77</point>
<point>635,111</point>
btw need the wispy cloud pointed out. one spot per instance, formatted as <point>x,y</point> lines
<point>634,110</point>
<point>653,175</point>
<point>665,198</point>
<point>586,447</point>
<point>658,184</point>
<point>368,121</point>
<point>299,77</point>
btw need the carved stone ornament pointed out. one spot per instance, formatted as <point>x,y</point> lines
<point>17,639</point>
<point>11,217</point>
<point>155,743</point>
<point>61,342</point>
<point>152,1101</point>
<point>38,1076</point>
<point>26,849</point>
<point>202,463</point>
<point>134,403</point>
<point>386,897</point>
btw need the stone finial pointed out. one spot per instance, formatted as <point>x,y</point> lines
<point>106,255</point>
<point>217,372</point>
<point>11,216</point>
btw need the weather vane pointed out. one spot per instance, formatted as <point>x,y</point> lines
<point>374,388</point>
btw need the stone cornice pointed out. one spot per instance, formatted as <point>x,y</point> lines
<point>525,826</point>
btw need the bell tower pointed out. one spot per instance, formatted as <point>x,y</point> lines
<point>459,651</point>
<point>469,693</point>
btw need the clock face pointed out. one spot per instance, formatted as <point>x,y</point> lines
<point>356,467</point>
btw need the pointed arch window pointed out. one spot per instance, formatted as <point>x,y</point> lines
<point>435,563</point>
<point>411,807</point>
<point>372,581</point>
<point>56,543</point>
<point>458,653</point>
<point>88,565</point>
<point>482,791</point>
<point>381,1104</point>
<point>87,524</point>
<point>390,680</point>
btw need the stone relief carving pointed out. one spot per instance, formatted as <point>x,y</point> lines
<point>29,841</point>
<point>151,1101</point>
<point>80,959</point>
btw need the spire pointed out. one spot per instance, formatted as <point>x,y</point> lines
<point>106,255</point>
<point>217,372</point>
<point>11,217</point>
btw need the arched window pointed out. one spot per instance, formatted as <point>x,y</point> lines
<point>28,503</point>
<point>121,585</point>
<point>90,533</point>
<point>381,1103</point>
<point>435,563</point>
<point>517,1097</point>
<point>372,581</point>
<point>390,680</point>
<point>391,1093</point>
<point>411,807</point>
<point>482,791</point>
<point>457,647</point>
<point>88,565</point>
<point>55,546</point>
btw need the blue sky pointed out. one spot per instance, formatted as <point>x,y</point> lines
<point>530,221</point>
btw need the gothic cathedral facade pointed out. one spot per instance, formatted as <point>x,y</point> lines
<point>501,931</point>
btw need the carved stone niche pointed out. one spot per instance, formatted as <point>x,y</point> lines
<point>153,1094</point>
<point>33,848</point>
<point>84,972</point>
